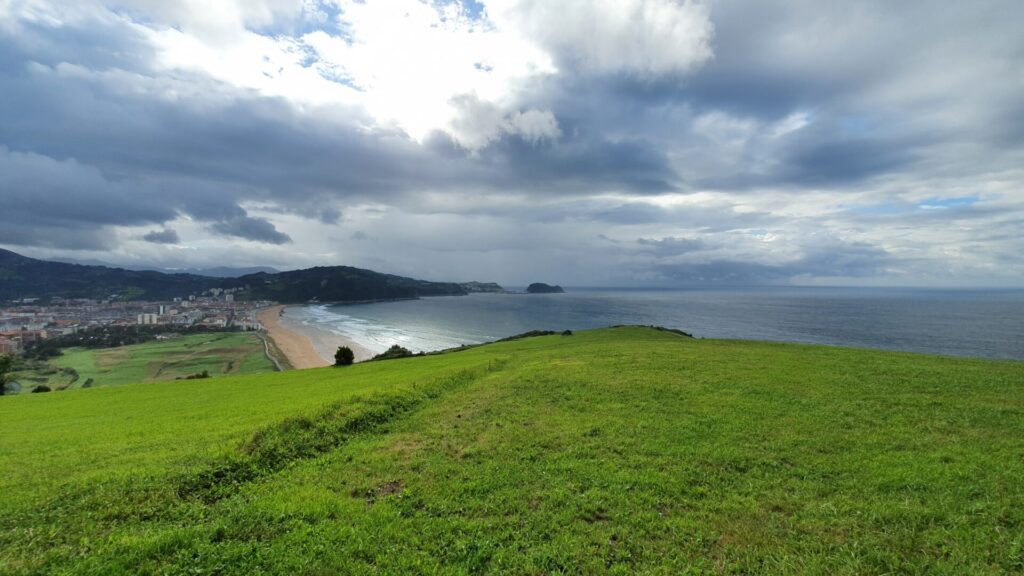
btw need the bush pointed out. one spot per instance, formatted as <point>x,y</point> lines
<point>530,334</point>
<point>344,356</point>
<point>40,388</point>
<point>6,362</point>
<point>88,383</point>
<point>395,351</point>
<point>196,376</point>
<point>567,333</point>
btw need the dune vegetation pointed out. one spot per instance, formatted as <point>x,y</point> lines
<point>621,451</point>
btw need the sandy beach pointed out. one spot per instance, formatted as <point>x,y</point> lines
<point>304,346</point>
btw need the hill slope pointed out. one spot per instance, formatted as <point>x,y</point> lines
<point>22,277</point>
<point>611,451</point>
<point>337,284</point>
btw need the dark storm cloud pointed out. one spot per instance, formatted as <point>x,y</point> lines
<point>64,204</point>
<point>578,165</point>
<point>851,260</point>
<point>840,161</point>
<point>751,76</point>
<point>827,152</point>
<point>251,229</point>
<point>630,213</point>
<point>671,246</point>
<point>860,72</point>
<point>705,218</point>
<point>166,236</point>
<point>614,213</point>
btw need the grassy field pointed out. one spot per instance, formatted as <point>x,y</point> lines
<point>218,353</point>
<point>616,451</point>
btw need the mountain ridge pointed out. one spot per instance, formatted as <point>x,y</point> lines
<point>23,277</point>
<point>213,271</point>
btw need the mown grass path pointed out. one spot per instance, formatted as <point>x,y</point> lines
<point>612,451</point>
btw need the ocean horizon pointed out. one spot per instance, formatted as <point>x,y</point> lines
<point>973,322</point>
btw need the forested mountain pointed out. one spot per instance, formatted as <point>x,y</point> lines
<point>23,277</point>
<point>336,284</point>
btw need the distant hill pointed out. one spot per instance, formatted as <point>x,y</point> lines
<point>23,277</point>
<point>215,272</point>
<point>482,287</point>
<point>336,284</point>
<point>224,271</point>
<point>542,288</point>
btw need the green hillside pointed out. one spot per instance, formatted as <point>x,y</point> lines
<point>618,451</point>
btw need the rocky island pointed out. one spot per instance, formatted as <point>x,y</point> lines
<point>541,288</point>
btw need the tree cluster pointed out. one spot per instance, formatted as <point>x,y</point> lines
<point>6,362</point>
<point>110,337</point>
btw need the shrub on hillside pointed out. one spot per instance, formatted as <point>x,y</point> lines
<point>6,362</point>
<point>344,356</point>
<point>395,351</point>
<point>40,388</point>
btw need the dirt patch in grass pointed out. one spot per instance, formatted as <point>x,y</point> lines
<point>108,359</point>
<point>405,445</point>
<point>384,490</point>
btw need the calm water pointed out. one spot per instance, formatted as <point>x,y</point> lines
<point>962,322</point>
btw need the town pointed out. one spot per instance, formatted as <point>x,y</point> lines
<point>26,321</point>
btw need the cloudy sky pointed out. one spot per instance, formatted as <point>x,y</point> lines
<point>584,142</point>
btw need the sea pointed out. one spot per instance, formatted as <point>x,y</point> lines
<point>977,323</point>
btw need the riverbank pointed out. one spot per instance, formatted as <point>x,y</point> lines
<point>304,346</point>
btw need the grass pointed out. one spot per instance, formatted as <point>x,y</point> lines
<point>217,353</point>
<point>614,451</point>
<point>39,373</point>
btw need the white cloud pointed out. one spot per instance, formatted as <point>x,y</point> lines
<point>410,59</point>
<point>402,61</point>
<point>643,37</point>
<point>408,63</point>
<point>477,123</point>
<point>220,22</point>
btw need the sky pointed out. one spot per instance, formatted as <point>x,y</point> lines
<point>579,142</point>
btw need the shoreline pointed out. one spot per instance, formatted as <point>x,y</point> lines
<point>304,347</point>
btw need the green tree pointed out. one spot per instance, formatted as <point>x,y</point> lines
<point>6,361</point>
<point>344,356</point>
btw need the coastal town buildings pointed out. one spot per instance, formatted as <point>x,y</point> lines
<point>22,324</point>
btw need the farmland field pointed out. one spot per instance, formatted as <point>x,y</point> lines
<point>218,353</point>
<point>620,451</point>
